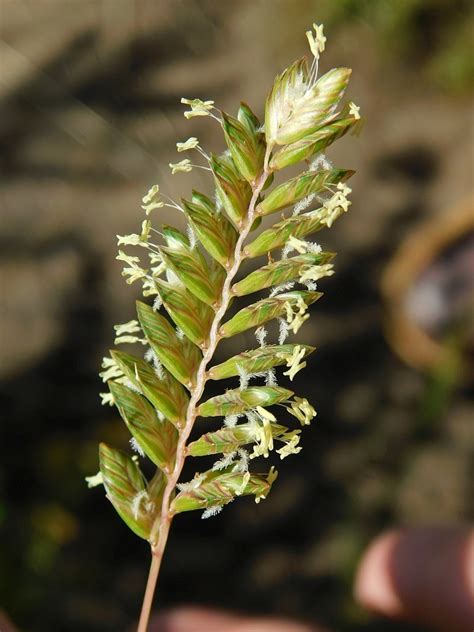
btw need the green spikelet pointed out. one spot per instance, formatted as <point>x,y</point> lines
<point>194,277</point>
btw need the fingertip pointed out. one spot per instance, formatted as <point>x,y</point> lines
<point>192,618</point>
<point>198,619</point>
<point>374,588</point>
<point>421,575</point>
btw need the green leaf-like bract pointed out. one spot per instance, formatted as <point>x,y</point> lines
<point>238,401</point>
<point>190,314</point>
<point>298,226</point>
<point>298,188</point>
<point>245,145</point>
<point>123,481</point>
<point>192,270</point>
<point>296,108</point>
<point>255,361</point>
<point>216,233</point>
<point>157,438</point>
<point>277,111</point>
<point>250,121</point>
<point>179,355</point>
<point>279,272</point>
<point>175,239</point>
<point>220,488</point>
<point>261,312</point>
<point>311,144</point>
<point>233,191</point>
<point>228,440</point>
<point>166,394</point>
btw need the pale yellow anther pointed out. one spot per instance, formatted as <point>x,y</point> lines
<point>263,436</point>
<point>329,218</point>
<point>298,245</point>
<point>120,340</point>
<point>272,475</point>
<point>314,273</point>
<point>319,36</point>
<point>336,205</point>
<point>136,240</point>
<point>111,370</point>
<point>148,208</point>
<point>245,480</point>
<point>149,288</point>
<point>146,228</point>
<point>308,409</point>
<point>290,448</point>
<point>106,399</point>
<point>293,363</point>
<point>151,201</point>
<point>158,270</point>
<point>196,112</point>
<point>301,305</point>
<point>297,322</point>
<point>317,41</point>
<point>343,188</point>
<point>132,327</point>
<point>268,437</point>
<point>344,204</point>
<point>155,258</point>
<point>129,240</point>
<point>149,197</point>
<point>198,107</point>
<point>95,480</point>
<point>302,410</point>
<point>289,311</point>
<point>312,43</point>
<point>296,318</point>
<point>128,259</point>
<point>191,143</point>
<point>354,110</point>
<point>134,271</point>
<point>134,274</point>
<point>184,166</point>
<point>294,370</point>
<point>265,414</point>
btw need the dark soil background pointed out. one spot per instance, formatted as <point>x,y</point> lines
<point>89,114</point>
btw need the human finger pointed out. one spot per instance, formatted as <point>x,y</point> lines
<point>196,619</point>
<point>424,575</point>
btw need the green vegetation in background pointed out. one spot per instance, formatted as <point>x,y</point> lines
<point>436,33</point>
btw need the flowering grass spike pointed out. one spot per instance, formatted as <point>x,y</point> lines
<point>192,279</point>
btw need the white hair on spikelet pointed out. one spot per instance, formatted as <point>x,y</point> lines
<point>136,447</point>
<point>211,511</point>
<point>284,331</point>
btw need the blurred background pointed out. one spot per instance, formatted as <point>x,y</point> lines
<point>89,117</point>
